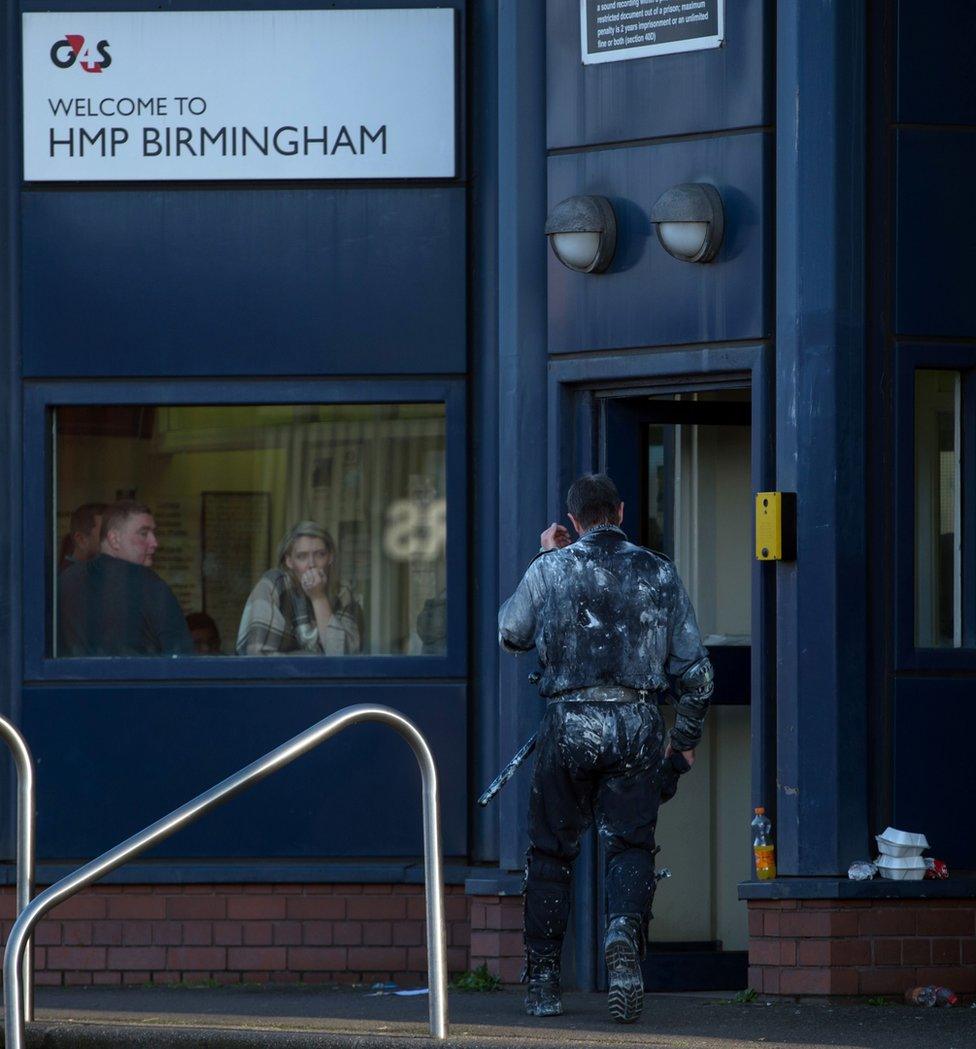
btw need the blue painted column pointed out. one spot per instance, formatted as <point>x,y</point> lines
<point>521,369</point>
<point>483,238</point>
<point>10,407</point>
<point>820,359</point>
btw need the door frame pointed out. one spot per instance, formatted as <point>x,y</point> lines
<point>573,448</point>
<point>620,414</point>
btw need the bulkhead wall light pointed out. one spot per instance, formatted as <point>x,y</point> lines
<point>690,221</point>
<point>583,233</point>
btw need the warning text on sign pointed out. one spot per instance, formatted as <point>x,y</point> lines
<point>615,30</point>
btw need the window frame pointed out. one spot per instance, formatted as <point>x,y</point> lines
<point>38,484</point>
<point>910,359</point>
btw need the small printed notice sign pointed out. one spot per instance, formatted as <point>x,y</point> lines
<point>614,30</point>
<point>163,95</point>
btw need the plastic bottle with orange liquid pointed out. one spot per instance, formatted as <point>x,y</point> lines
<point>762,845</point>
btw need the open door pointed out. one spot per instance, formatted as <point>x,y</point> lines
<point>682,465</point>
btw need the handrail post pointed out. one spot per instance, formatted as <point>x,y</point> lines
<point>26,809</point>
<point>433,890</point>
<point>14,955</point>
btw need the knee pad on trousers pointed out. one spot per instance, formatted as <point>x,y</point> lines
<point>543,868</point>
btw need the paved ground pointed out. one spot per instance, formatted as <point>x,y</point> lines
<point>230,1018</point>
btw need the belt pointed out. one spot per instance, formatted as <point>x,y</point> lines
<point>604,694</point>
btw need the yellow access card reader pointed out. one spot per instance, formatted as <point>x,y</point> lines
<point>776,526</point>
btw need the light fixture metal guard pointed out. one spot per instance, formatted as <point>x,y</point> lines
<point>586,214</point>
<point>692,202</point>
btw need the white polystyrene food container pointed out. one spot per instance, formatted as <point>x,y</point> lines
<point>901,843</point>
<point>904,837</point>
<point>887,848</point>
<point>891,875</point>
<point>901,868</point>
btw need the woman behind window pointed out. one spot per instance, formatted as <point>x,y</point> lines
<point>295,607</point>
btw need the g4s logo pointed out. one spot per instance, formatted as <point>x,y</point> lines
<point>64,54</point>
<point>415,530</point>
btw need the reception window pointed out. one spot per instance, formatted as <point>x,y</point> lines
<point>938,509</point>
<point>248,530</point>
<point>934,550</point>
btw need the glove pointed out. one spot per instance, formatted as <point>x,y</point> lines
<point>673,766</point>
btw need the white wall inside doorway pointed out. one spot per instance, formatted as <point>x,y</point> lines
<point>704,837</point>
<point>704,831</point>
<point>713,527</point>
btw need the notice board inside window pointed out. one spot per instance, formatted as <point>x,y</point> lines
<point>236,546</point>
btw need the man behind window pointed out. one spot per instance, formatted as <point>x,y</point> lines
<point>206,636</point>
<point>115,604</point>
<point>84,535</point>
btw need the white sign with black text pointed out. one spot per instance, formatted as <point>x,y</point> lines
<point>162,95</point>
<point>617,30</point>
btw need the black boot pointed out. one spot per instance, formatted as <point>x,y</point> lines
<point>623,949</point>
<point>542,968</point>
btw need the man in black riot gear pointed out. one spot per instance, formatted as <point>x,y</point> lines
<point>614,630</point>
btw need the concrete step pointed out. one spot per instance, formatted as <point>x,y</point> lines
<point>45,1035</point>
<point>241,1018</point>
<point>293,1019</point>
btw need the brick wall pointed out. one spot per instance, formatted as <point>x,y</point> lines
<point>861,947</point>
<point>496,936</point>
<point>112,935</point>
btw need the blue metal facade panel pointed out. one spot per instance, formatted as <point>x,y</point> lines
<point>934,62</point>
<point>822,809</point>
<point>935,225</point>
<point>720,89</point>
<point>233,282</point>
<point>648,298</point>
<point>269,281</point>
<point>921,222</point>
<point>935,724</point>
<point>111,760</point>
<point>484,475</point>
<point>521,378</point>
<point>298,280</point>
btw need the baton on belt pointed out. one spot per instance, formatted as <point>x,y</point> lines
<point>508,771</point>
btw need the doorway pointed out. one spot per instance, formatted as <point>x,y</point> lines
<point>682,461</point>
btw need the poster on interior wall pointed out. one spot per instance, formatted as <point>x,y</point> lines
<point>236,545</point>
<point>616,30</point>
<point>177,559</point>
<point>173,95</point>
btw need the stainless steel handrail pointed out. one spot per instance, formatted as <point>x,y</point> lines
<point>25,845</point>
<point>13,1018</point>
